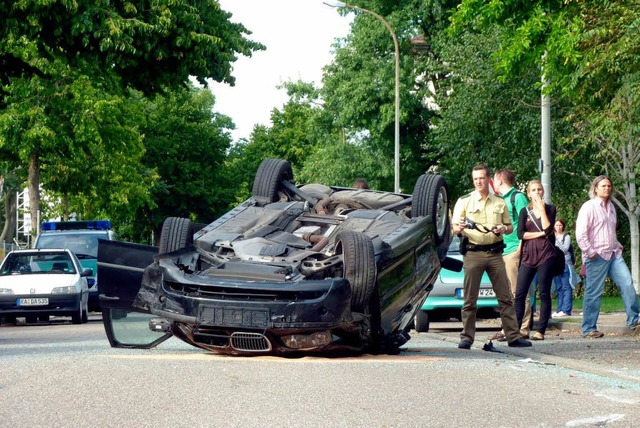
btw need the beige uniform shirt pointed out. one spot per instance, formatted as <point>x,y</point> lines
<point>489,213</point>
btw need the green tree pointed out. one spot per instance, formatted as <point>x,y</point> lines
<point>49,49</point>
<point>589,50</point>
<point>185,143</point>
<point>359,86</point>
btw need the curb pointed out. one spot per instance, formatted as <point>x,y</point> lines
<point>608,323</point>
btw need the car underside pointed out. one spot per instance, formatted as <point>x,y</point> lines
<point>293,269</point>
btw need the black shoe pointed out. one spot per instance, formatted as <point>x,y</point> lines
<point>464,344</point>
<point>520,343</point>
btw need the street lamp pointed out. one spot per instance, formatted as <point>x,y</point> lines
<point>397,113</point>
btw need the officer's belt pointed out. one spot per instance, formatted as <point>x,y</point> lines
<point>492,248</point>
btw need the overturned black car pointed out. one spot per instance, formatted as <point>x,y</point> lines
<point>292,270</point>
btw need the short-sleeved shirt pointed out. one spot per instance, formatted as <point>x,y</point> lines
<point>511,240</point>
<point>488,213</point>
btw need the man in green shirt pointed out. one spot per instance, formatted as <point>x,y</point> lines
<point>503,182</point>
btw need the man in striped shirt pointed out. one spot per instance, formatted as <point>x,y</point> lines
<point>602,256</point>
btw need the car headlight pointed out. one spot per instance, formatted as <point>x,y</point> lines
<point>6,291</point>
<point>65,290</point>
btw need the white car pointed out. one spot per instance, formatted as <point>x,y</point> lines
<point>36,284</point>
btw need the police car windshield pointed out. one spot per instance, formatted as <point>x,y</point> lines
<point>82,244</point>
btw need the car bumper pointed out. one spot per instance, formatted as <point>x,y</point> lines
<point>435,303</point>
<point>276,316</point>
<point>57,305</point>
<point>310,304</point>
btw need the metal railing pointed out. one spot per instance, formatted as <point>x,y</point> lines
<point>6,247</point>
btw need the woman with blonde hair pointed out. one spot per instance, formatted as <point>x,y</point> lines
<point>535,229</point>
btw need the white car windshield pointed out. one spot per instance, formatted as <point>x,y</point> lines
<point>37,263</point>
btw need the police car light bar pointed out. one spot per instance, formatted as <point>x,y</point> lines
<point>76,225</point>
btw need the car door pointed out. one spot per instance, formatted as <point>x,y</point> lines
<point>120,267</point>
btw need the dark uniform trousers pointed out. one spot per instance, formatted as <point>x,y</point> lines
<point>475,263</point>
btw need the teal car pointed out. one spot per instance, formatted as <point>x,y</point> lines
<point>447,297</point>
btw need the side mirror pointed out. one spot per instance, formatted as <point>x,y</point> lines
<point>87,272</point>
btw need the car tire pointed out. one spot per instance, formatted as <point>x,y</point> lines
<point>431,198</point>
<point>270,174</point>
<point>359,267</point>
<point>76,318</point>
<point>421,321</point>
<point>176,233</point>
<point>85,313</point>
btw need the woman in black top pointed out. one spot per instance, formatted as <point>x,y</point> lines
<point>535,229</point>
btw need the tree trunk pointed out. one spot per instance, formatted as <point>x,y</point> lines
<point>34,191</point>
<point>9,229</point>
<point>635,258</point>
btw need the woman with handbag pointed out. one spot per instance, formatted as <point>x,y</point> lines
<point>566,281</point>
<point>535,229</point>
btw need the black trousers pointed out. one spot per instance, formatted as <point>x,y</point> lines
<point>545,279</point>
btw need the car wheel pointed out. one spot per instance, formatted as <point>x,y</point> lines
<point>431,198</point>
<point>176,233</point>
<point>359,267</point>
<point>422,321</point>
<point>85,313</point>
<point>76,318</point>
<point>270,174</point>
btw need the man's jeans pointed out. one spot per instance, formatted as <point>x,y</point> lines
<point>597,271</point>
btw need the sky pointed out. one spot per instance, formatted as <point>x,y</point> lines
<point>298,35</point>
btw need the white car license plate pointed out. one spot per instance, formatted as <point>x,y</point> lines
<point>36,301</point>
<point>484,292</point>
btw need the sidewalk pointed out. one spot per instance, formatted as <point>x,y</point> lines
<point>610,323</point>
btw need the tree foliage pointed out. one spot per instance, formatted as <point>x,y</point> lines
<point>185,144</point>
<point>66,68</point>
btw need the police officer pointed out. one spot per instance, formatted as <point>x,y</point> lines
<point>481,219</point>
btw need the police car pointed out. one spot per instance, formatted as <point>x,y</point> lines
<point>81,237</point>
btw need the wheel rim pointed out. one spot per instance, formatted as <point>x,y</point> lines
<point>441,212</point>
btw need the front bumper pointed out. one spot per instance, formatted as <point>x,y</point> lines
<point>310,304</point>
<point>213,313</point>
<point>435,303</point>
<point>58,305</point>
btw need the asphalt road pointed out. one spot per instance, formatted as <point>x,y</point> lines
<point>62,375</point>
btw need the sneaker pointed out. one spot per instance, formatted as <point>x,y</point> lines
<point>595,334</point>
<point>519,343</point>
<point>464,344</point>
<point>559,315</point>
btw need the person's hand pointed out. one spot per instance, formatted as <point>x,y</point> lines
<point>499,229</point>
<point>537,201</point>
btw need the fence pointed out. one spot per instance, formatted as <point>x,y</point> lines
<point>6,247</point>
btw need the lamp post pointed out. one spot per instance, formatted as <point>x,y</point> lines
<point>397,91</point>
